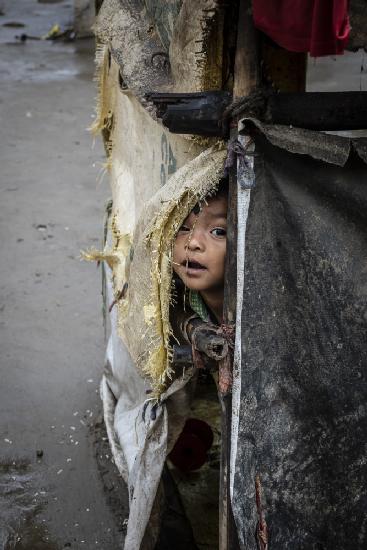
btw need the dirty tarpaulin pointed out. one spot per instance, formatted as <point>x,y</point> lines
<point>299,401</point>
<point>143,425</point>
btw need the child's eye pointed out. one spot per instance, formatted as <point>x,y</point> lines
<point>184,229</point>
<point>218,232</point>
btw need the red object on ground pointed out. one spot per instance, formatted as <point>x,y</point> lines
<point>201,429</point>
<point>320,27</point>
<point>189,452</point>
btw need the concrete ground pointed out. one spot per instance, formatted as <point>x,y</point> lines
<point>58,488</point>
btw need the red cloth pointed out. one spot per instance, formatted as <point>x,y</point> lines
<point>189,452</point>
<point>320,27</point>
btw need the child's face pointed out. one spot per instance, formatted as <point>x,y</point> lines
<point>200,247</point>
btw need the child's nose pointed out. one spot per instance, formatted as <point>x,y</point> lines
<point>195,241</point>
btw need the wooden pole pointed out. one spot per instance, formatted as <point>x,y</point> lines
<point>246,67</point>
<point>227,529</point>
<point>246,79</point>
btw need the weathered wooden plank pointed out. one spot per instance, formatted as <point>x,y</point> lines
<point>246,79</point>
<point>285,71</point>
<point>358,22</point>
<point>246,68</point>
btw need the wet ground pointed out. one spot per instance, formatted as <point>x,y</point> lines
<point>58,488</point>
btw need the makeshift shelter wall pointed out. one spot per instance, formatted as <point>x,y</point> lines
<point>143,155</point>
<point>142,426</point>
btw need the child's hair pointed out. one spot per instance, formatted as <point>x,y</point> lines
<point>221,191</point>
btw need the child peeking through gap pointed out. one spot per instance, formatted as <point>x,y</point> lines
<point>199,255</point>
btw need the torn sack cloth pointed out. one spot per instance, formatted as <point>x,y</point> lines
<point>320,27</point>
<point>145,403</point>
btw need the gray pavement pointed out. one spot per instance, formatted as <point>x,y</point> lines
<point>51,333</point>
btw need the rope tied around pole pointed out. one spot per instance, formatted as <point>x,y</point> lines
<point>253,105</point>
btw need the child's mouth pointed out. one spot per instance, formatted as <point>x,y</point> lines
<point>192,265</point>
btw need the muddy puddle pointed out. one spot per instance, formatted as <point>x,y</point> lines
<point>24,500</point>
<point>20,505</point>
